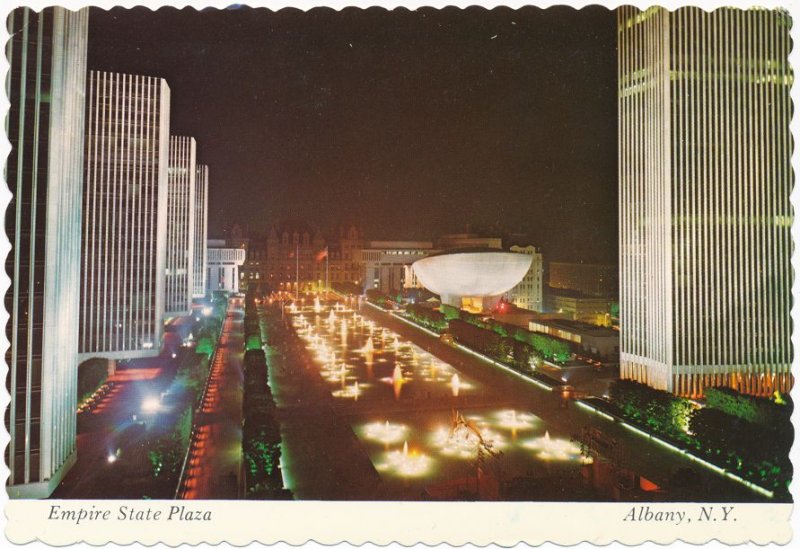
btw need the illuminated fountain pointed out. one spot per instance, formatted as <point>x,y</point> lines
<point>556,449</point>
<point>455,384</point>
<point>350,391</point>
<point>368,347</point>
<point>516,421</point>
<point>385,433</point>
<point>397,381</point>
<point>332,318</point>
<point>465,438</point>
<point>293,307</point>
<point>405,462</point>
<point>317,306</point>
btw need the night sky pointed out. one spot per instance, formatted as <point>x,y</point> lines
<point>412,124</point>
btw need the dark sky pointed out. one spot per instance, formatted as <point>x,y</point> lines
<point>411,123</point>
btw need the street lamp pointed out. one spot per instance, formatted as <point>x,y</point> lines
<point>151,405</point>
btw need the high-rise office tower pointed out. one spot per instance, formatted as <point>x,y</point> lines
<point>124,215</point>
<point>180,225</point>
<point>200,230</point>
<point>705,177</point>
<point>46,89</point>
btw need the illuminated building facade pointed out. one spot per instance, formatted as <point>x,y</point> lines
<point>705,177</point>
<point>387,265</point>
<point>345,267</point>
<point>179,271</point>
<point>223,266</point>
<point>528,293</point>
<point>200,230</point>
<point>124,216</point>
<point>44,171</point>
<point>293,249</point>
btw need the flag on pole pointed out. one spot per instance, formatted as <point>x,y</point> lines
<point>322,254</point>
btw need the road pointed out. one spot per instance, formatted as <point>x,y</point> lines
<point>111,430</point>
<point>215,462</point>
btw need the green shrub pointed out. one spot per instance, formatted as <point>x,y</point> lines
<point>762,411</point>
<point>660,411</point>
<point>91,375</point>
<point>449,312</point>
<point>427,316</point>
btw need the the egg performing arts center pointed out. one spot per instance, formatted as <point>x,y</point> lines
<point>472,278</point>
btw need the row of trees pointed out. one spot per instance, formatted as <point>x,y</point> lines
<point>749,436</point>
<point>543,346</point>
<point>252,326</point>
<point>427,316</point>
<point>379,298</point>
<point>506,343</point>
<point>261,433</point>
<point>167,452</point>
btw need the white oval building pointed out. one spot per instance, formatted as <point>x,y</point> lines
<point>472,278</point>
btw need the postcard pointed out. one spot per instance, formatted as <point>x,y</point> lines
<point>441,274</point>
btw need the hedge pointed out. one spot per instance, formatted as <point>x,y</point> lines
<point>261,434</point>
<point>756,452</point>
<point>91,376</point>
<point>661,412</point>
<point>378,298</point>
<point>428,317</point>
<point>761,411</point>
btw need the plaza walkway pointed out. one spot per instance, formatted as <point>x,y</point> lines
<point>214,467</point>
<point>112,438</point>
<point>322,458</point>
<point>634,452</point>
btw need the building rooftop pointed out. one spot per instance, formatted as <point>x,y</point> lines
<point>576,327</point>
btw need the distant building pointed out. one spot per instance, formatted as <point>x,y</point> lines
<point>528,293</point>
<point>223,266</point>
<point>704,182</point>
<point>294,251</point>
<point>180,226</point>
<point>46,87</point>
<point>254,272</point>
<point>591,340</point>
<point>587,278</point>
<point>573,305</point>
<point>200,231</point>
<point>124,216</point>
<point>468,240</point>
<point>346,269</point>
<point>387,264</point>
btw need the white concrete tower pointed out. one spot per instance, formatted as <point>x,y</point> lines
<point>704,179</point>
<point>180,226</point>
<point>124,216</point>
<point>46,90</point>
<point>200,231</point>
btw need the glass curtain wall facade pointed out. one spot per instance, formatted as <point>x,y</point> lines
<point>44,170</point>
<point>200,230</point>
<point>705,178</point>
<point>124,215</point>
<point>180,225</point>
